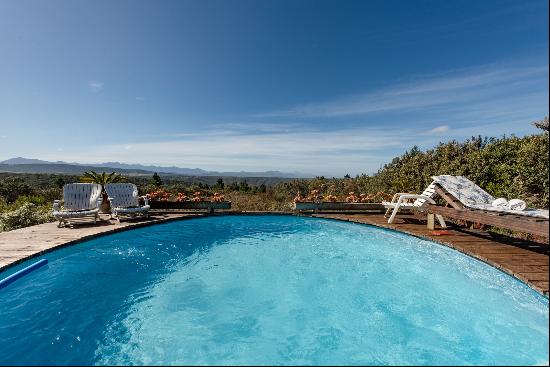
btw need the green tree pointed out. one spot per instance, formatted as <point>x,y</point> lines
<point>243,186</point>
<point>220,185</point>
<point>12,188</point>
<point>60,182</point>
<point>156,180</point>
<point>542,124</point>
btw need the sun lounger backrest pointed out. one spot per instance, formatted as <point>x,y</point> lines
<point>122,194</point>
<point>429,192</point>
<point>81,196</point>
<point>464,190</point>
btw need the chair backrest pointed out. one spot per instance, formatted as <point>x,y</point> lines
<point>464,190</point>
<point>81,196</point>
<point>122,194</point>
<point>429,192</point>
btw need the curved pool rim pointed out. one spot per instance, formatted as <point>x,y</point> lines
<point>14,266</point>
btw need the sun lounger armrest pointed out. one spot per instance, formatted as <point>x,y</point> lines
<point>397,195</point>
<point>56,205</point>
<point>404,197</point>
<point>146,199</point>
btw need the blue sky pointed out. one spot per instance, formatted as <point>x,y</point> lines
<point>324,87</point>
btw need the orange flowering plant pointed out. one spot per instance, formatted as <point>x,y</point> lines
<point>159,195</point>
<point>314,195</point>
<point>331,198</point>
<point>299,198</point>
<point>182,197</point>
<point>352,198</point>
<point>217,198</point>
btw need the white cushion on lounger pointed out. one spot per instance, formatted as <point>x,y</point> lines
<point>539,213</point>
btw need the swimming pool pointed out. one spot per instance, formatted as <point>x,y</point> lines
<point>268,290</point>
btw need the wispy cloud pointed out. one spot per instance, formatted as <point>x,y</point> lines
<point>323,152</point>
<point>421,93</point>
<point>344,150</point>
<point>439,129</point>
<point>95,86</point>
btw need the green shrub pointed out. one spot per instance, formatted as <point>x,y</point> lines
<point>26,215</point>
<point>12,188</point>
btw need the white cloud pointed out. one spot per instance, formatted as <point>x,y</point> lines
<point>439,129</point>
<point>346,150</point>
<point>451,88</point>
<point>330,153</point>
<point>96,86</point>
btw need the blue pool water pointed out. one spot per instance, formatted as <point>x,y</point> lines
<point>268,290</point>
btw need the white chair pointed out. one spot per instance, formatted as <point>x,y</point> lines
<point>401,201</point>
<point>124,200</point>
<point>79,200</point>
<point>463,193</point>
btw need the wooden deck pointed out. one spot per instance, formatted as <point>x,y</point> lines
<point>25,243</point>
<point>527,261</point>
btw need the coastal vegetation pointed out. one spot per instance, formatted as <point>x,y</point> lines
<point>507,166</point>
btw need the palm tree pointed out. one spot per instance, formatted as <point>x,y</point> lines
<point>102,179</point>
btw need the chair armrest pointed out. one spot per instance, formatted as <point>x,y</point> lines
<point>56,205</point>
<point>413,196</point>
<point>146,199</point>
<point>397,195</point>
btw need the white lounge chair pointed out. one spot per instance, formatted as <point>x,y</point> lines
<point>79,200</point>
<point>461,193</point>
<point>401,200</point>
<point>124,200</point>
<point>471,203</point>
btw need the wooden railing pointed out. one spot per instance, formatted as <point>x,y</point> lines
<point>519,223</point>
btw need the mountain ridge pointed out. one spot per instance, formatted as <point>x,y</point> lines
<point>31,165</point>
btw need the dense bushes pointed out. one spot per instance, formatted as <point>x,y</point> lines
<point>28,214</point>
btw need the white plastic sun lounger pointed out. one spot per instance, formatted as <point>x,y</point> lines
<point>401,201</point>
<point>124,200</point>
<point>79,200</point>
<point>470,195</point>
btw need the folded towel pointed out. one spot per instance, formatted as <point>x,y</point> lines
<point>517,204</point>
<point>500,202</point>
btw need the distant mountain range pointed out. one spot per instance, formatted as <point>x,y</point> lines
<point>26,165</point>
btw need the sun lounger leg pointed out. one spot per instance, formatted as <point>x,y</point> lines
<point>394,213</point>
<point>441,220</point>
